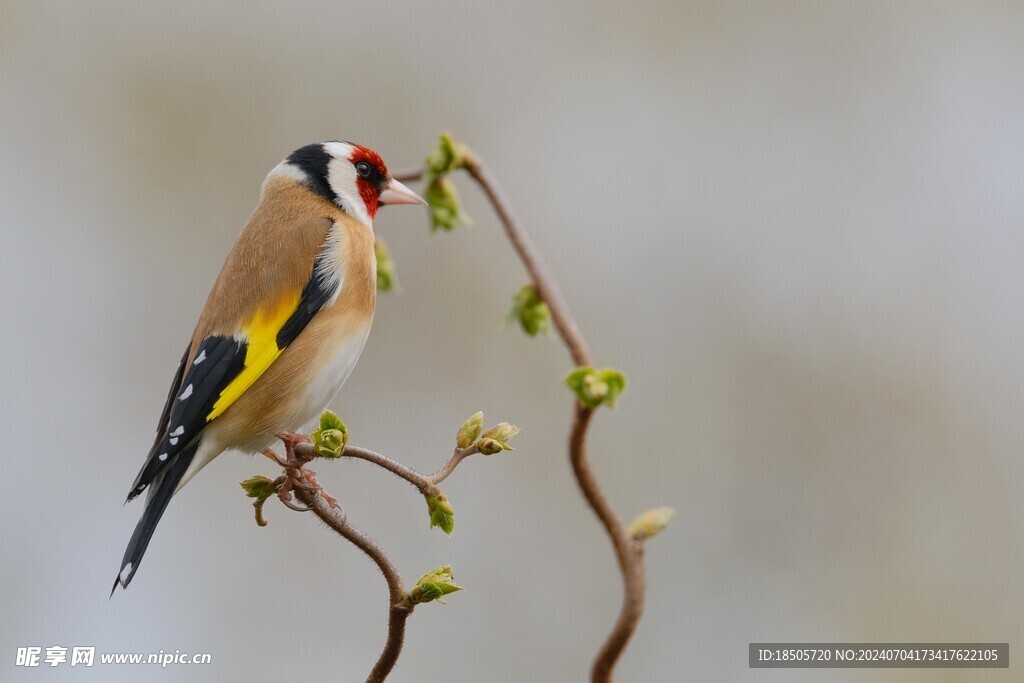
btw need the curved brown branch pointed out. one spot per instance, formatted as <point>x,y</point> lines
<point>546,285</point>
<point>458,456</point>
<point>380,460</point>
<point>425,483</point>
<point>398,612</point>
<point>303,484</point>
<point>629,553</point>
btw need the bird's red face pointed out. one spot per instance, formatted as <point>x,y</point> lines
<point>371,177</point>
<point>374,184</point>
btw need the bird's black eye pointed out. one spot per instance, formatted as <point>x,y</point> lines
<point>363,169</point>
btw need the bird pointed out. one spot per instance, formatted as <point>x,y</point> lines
<point>282,327</point>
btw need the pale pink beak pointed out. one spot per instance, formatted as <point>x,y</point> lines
<point>397,193</point>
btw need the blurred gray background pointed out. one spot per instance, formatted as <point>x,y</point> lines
<point>797,226</point>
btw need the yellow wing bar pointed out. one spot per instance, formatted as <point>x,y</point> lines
<point>260,334</point>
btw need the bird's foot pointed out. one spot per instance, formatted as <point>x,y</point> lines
<point>300,480</point>
<point>284,494</point>
<point>275,457</point>
<point>296,476</point>
<point>315,486</point>
<point>291,439</point>
<point>291,459</point>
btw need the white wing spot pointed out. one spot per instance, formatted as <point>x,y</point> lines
<point>179,431</point>
<point>174,440</point>
<point>200,358</point>
<point>161,457</point>
<point>125,573</point>
<point>185,394</point>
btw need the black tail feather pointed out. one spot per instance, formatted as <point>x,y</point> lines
<point>159,495</point>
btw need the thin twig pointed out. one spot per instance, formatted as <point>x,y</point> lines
<point>543,281</point>
<point>458,456</point>
<point>308,490</point>
<point>398,611</point>
<point>407,175</point>
<point>410,475</point>
<point>628,552</point>
<point>424,482</point>
<point>546,285</point>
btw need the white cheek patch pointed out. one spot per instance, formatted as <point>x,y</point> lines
<point>341,176</point>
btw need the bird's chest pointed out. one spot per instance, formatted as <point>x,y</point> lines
<point>336,364</point>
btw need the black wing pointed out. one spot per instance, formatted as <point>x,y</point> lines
<point>217,362</point>
<point>315,295</point>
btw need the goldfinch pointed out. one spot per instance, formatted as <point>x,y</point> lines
<point>282,327</point>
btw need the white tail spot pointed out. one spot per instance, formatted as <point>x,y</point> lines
<point>161,457</point>
<point>185,394</point>
<point>174,441</point>
<point>179,431</point>
<point>125,573</point>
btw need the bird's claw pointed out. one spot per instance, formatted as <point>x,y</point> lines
<point>299,484</point>
<point>284,494</point>
<point>275,457</point>
<point>289,504</point>
<point>315,486</point>
<point>291,439</point>
<point>296,476</point>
